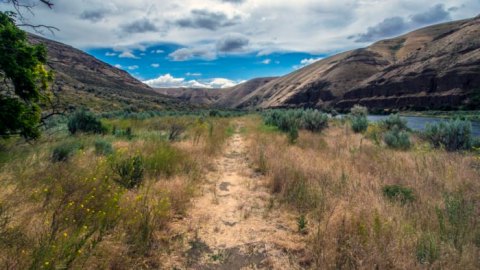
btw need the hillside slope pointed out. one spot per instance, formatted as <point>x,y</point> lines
<point>435,67</point>
<point>83,80</point>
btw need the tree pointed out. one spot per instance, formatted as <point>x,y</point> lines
<point>22,70</point>
<point>25,81</point>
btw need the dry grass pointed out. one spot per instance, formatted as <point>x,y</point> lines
<point>337,178</point>
<point>73,214</point>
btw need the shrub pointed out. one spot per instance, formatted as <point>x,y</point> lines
<point>165,160</point>
<point>397,139</point>
<point>175,131</point>
<point>83,121</point>
<point>394,121</point>
<point>359,124</point>
<point>64,151</point>
<point>398,193</point>
<point>358,110</point>
<point>103,147</point>
<point>374,133</point>
<point>428,250</point>
<point>292,134</point>
<point>314,120</point>
<point>453,135</point>
<point>129,171</point>
<point>127,133</point>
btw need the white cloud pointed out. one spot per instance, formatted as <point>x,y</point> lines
<point>307,61</point>
<point>266,61</point>
<point>128,54</point>
<point>315,26</point>
<point>110,54</point>
<point>168,81</point>
<point>157,51</point>
<point>155,65</point>
<point>194,74</point>
<point>118,66</point>
<point>134,67</point>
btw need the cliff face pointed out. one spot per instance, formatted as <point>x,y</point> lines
<point>436,67</point>
<point>83,80</point>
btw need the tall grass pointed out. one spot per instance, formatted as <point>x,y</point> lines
<point>373,207</point>
<point>107,205</point>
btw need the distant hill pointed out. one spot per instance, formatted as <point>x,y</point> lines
<point>83,80</point>
<point>436,67</point>
<point>220,98</point>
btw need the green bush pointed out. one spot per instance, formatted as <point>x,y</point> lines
<point>397,139</point>
<point>103,147</point>
<point>394,121</point>
<point>129,171</point>
<point>314,120</point>
<point>398,193</point>
<point>126,133</point>
<point>359,124</point>
<point>83,121</point>
<point>453,135</point>
<point>64,151</point>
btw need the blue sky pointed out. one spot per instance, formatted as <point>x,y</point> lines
<point>150,61</point>
<point>219,43</point>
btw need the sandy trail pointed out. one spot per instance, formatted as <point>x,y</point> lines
<point>234,224</point>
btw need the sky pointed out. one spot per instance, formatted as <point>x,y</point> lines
<point>220,43</point>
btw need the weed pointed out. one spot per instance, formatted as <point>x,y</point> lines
<point>64,151</point>
<point>302,224</point>
<point>103,147</point>
<point>399,193</point>
<point>428,250</point>
<point>129,171</point>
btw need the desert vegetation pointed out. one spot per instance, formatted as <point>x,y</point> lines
<point>101,190</point>
<point>379,196</point>
<point>98,193</point>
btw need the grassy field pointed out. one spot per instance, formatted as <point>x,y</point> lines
<point>367,206</point>
<point>104,201</point>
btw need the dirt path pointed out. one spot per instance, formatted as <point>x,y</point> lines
<point>235,224</point>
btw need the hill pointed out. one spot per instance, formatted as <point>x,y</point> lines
<point>83,80</point>
<point>435,67</point>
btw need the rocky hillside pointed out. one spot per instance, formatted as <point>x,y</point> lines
<point>83,80</point>
<point>436,67</point>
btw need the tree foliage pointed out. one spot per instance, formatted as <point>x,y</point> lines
<point>25,80</point>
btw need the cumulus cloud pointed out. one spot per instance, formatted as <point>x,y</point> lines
<point>168,81</point>
<point>232,43</point>
<point>118,66</point>
<point>157,51</point>
<point>110,54</point>
<point>134,67</point>
<point>128,54</point>
<point>185,54</point>
<point>202,18</point>
<point>266,61</point>
<point>307,61</point>
<point>139,26</point>
<point>435,14</point>
<point>313,26</point>
<point>155,65</point>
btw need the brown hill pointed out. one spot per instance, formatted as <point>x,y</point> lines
<point>83,80</point>
<point>432,68</point>
<point>221,98</point>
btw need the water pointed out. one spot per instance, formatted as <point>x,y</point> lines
<point>419,122</point>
